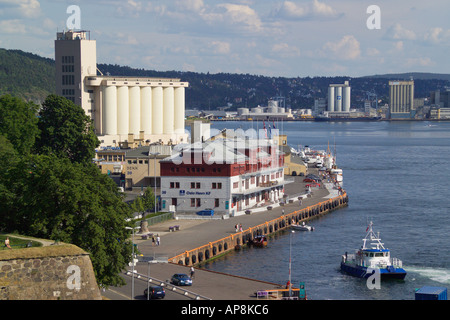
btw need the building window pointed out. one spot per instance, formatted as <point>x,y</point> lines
<point>174,201</point>
<point>216,202</point>
<point>199,202</point>
<point>219,185</point>
<point>214,185</point>
<point>193,202</point>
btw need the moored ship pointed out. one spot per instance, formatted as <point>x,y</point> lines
<point>372,257</point>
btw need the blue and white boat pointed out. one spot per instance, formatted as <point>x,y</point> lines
<point>372,257</point>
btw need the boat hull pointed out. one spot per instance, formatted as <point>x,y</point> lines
<point>385,273</point>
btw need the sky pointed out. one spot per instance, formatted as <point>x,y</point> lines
<point>296,38</point>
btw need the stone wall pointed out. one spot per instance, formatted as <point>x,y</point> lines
<point>59,272</point>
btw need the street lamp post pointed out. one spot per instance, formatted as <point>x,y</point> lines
<point>132,261</point>
<point>290,250</point>
<point>154,169</point>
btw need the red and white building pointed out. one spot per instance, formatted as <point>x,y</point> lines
<point>228,175</point>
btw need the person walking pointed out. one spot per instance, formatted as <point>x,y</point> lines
<point>158,240</point>
<point>192,272</point>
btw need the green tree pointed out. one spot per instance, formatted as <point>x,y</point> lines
<point>74,203</point>
<point>66,131</point>
<point>18,122</point>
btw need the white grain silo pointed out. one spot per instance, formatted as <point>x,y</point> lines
<point>331,98</point>
<point>157,110</point>
<point>123,112</point>
<point>109,110</point>
<point>146,110</point>
<point>346,100</point>
<point>179,98</point>
<point>168,106</point>
<point>338,99</point>
<point>135,110</point>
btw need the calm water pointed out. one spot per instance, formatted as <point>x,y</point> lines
<point>396,174</point>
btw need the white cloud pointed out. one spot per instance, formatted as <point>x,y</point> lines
<point>437,36</point>
<point>419,62</point>
<point>348,48</point>
<point>314,10</point>
<point>285,50</point>
<point>397,32</point>
<point>242,15</point>
<point>14,26</point>
<point>20,8</point>
<point>220,47</point>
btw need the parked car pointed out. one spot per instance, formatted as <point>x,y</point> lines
<point>156,292</point>
<point>206,212</point>
<point>181,279</point>
<point>309,180</point>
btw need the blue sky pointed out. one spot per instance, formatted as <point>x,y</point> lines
<point>274,38</point>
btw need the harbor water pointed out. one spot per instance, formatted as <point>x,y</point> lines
<point>397,174</point>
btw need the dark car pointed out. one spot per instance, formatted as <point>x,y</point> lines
<point>181,279</point>
<point>156,292</point>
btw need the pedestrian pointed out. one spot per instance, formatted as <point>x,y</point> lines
<point>240,227</point>
<point>282,212</point>
<point>236,227</point>
<point>158,240</point>
<point>153,241</point>
<point>7,243</point>
<point>192,272</point>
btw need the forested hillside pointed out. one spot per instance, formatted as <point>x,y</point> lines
<point>32,77</point>
<point>26,75</point>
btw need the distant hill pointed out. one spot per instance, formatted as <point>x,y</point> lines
<point>26,75</point>
<point>32,77</point>
<point>413,75</point>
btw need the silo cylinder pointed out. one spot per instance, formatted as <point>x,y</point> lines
<point>168,105</point>
<point>135,111</point>
<point>179,110</point>
<point>146,110</point>
<point>109,112</point>
<point>157,110</point>
<point>122,110</point>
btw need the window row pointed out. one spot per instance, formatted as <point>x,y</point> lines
<point>68,59</point>
<point>68,79</point>
<point>197,202</point>
<point>196,185</point>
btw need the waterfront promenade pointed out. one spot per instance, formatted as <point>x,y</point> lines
<point>195,233</point>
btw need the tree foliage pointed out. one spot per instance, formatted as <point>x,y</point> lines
<point>66,131</point>
<point>18,122</point>
<point>54,191</point>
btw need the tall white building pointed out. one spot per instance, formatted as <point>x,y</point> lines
<point>339,97</point>
<point>401,99</point>
<point>125,110</point>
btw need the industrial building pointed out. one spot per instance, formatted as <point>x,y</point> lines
<point>226,174</point>
<point>126,111</point>
<point>401,99</point>
<point>339,98</point>
<point>273,111</point>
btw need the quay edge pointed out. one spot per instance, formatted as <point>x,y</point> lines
<point>199,255</point>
